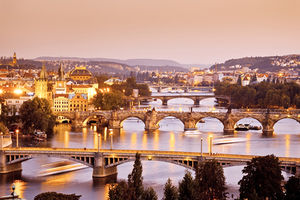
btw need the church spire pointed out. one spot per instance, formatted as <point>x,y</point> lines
<point>43,74</point>
<point>61,73</point>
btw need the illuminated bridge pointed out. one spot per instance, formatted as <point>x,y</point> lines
<point>104,162</point>
<point>151,118</point>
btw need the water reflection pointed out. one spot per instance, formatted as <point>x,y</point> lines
<point>133,136</point>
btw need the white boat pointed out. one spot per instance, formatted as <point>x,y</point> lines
<point>220,141</point>
<point>61,167</point>
<point>192,132</point>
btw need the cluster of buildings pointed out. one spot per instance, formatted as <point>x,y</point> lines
<point>71,91</point>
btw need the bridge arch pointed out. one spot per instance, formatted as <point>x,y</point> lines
<point>293,120</point>
<point>251,120</point>
<point>131,116</point>
<point>95,117</point>
<point>202,122</point>
<point>187,100</point>
<point>161,118</point>
<point>63,119</point>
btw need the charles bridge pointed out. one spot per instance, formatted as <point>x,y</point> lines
<point>104,161</point>
<point>151,118</point>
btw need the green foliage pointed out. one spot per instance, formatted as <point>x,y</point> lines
<point>210,181</point>
<point>149,194</point>
<point>187,187</point>
<point>262,95</point>
<point>135,179</point>
<point>292,188</point>
<point>170,191</point>
<point>56,196</point>
<point>109,101</point>
<point>36,114</point>
<point>3,128</point>
<point>118,191</point>
<point>263,179</point>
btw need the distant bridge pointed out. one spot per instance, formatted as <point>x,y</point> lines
<point>151,118</point>
<point>104,162</point>
<point>196,98</point>
<point>159,88</point>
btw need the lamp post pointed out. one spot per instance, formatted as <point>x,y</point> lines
<point>1,140</point>
<point>13,191</point>
<point>111,138</point>
<point>17,135</point>
<point>210,144</point>
<point>201,148</point>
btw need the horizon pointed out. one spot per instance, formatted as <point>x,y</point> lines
<point>193,32</point>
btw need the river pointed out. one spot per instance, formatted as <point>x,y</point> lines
<point>170,136</point>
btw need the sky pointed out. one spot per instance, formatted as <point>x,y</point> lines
<point>187,31</point>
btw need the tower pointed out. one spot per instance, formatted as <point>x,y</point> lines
<point>60,84</point>
<point>14,62</point>
<point>41,84</point>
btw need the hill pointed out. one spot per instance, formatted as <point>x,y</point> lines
<point>262,64</point>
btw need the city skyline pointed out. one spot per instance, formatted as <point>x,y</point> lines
<point>202,32</point>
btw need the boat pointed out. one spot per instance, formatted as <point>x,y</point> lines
<point>220,141</point>
<point>254,127</point>
<point>40,135</point>
<point>242,127</point>
<point>192,132</point>
<point>61,167</point>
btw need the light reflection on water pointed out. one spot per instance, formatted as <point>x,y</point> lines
<point>170,136</point>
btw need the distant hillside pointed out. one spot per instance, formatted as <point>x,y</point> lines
<point>131,62</point>
<point>105,65</point>
<point>262,64</point>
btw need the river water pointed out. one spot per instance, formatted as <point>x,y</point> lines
<point>170,136</point>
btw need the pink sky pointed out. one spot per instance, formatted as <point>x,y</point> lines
<point>187,31</point>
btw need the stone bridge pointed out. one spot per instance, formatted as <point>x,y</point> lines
<point>151,118</point>
<point>195,98</point>
<point>104,162</point>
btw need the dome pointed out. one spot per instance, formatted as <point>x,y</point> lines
<point>80,73</point>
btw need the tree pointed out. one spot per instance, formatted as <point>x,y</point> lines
<point>118,191</point>
<point>37,114</point>
<point>109,101</point>
<point>186,187</point>
<point>292,188</point>
<point>170,191</point>
<point>3,128</point>
<point>56,196</point>
<point>210,181</point>
<point>239,81</point>
<point>135,179</point>
<point>263,177</point>
<point>149,194</point>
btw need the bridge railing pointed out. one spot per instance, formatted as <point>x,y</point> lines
<point>271,111</point>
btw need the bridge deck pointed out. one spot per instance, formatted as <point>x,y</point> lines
<point>47,151</point>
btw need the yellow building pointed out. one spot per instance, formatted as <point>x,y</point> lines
<point>78,102</point>
<point>89,90</point>
<point>80,74</point>
<point>61,103</point>
<point>41,84</point>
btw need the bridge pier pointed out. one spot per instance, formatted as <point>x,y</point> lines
<point>114,122</point>
<point>197,101</point>
<point>189,124</point>
<point>8,168</point>
<point>228,124</point>
<point>164,101</point>
<point>99,170</point>
<point>268,132</point>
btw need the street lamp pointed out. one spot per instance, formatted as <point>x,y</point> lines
<point>201,148</point>
<point>1,140</point>
<point>210,144</point>
<point>13,189</point>
<point>111,138</point>
<point>17,134</point>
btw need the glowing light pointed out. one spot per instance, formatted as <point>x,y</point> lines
<point>149,157</point>
<point>1,91</point>
<point>18,91</point>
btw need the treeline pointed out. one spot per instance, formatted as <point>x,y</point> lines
<point>261,95</point>
<point>262,180</point>
<point>119,94</point>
